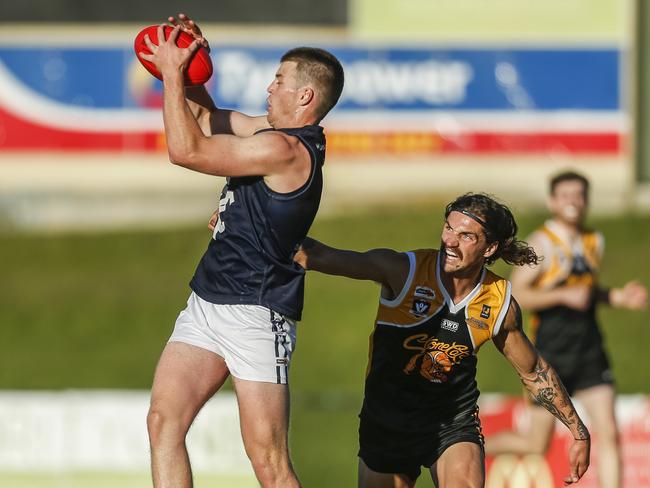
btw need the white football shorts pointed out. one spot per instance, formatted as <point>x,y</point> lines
<point>255,342</point>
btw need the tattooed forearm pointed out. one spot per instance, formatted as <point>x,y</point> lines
<point>541,372</point>
<point>583,433</point>
<point>547,389</point>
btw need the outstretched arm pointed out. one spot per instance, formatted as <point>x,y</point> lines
<point>545,386</point>
<point>384,266</point>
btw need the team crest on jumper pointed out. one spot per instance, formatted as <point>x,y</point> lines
<point>485,311</point>
<point>435,359</point>
<point>424,292</point>
<point>420,307</point>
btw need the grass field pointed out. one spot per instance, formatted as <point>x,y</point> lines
<point>93,311</point>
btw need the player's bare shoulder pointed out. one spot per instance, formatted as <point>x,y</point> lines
<point>284,147</point>
<point>293,163</point>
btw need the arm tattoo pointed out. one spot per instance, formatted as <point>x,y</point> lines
<point>583,433</point>
<point>547,389</point>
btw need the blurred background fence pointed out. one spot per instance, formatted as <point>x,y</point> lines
<point>99,234</point>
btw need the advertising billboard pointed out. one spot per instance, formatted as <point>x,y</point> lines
<point>396,99</point>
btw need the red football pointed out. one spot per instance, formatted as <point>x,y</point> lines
<point>200,67</point>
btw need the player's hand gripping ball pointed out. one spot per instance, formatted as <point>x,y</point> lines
<point>198,71</point>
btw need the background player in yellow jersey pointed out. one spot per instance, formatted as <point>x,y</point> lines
<point>563,291</point>
<point>436,309</point>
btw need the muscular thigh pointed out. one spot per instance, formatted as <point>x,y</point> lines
<point>186,377</point>
<point>263,414</point>
<point>369,478</point>
<point>461,465</point>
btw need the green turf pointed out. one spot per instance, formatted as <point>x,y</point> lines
<point>93,311</point>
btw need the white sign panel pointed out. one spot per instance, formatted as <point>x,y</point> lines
<point>106,430</point>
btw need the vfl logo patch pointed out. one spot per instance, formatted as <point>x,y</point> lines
<point>485,312</point>
<point>281,361</point>
<point>477,324</point>
<point>420,307</point>
<point>424,292</point>
<point>449,325</point>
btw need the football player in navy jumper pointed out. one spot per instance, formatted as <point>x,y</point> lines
<point>247,291</point>
<point>437,307</point>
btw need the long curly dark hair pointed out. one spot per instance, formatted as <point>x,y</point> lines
<point>499,226</point>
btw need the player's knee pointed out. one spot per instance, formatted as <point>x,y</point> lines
<point>540,441</point>
<point>264,460</point>
<point>161,423</point>
<point>539,446</point>
<point>155,424</point>
<point>465,473</point>
<point>608,436</point>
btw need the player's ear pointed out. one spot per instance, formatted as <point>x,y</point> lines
<point>491,249</point>
<point>306,95</point>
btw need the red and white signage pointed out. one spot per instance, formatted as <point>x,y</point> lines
<point>533,471</point>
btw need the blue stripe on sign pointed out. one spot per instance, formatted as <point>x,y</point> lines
<point>377,78</point>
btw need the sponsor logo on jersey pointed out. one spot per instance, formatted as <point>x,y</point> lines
<point>476,323</point>
<point>420,307</point>
<point>424,292</point>
<point>485,311</point>
<point>281,361</point>
<point>449,325</point>
<point>435,359</point>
